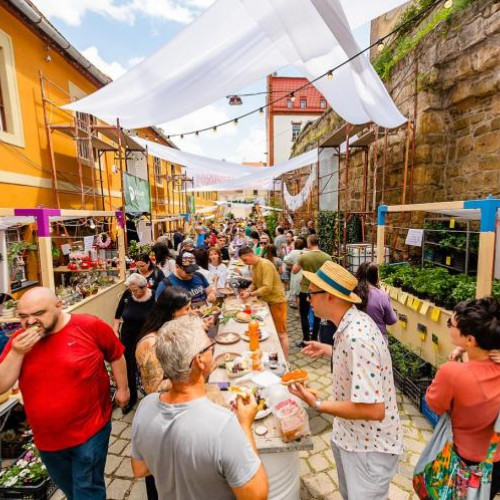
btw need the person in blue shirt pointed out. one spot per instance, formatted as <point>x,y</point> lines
<point>186,276</point>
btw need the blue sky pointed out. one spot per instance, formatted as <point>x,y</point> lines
<point>116,34</point>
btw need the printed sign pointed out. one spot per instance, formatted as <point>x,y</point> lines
<point>414,237</point>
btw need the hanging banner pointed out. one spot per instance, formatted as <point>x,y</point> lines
<point>136,192</point>
<point>191,204</point>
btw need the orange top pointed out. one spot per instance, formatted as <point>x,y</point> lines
<point>470,393</point>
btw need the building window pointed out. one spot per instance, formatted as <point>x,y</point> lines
<point>157,170</point>
<point>322,104</point>
<point>289,103</point>
<point>303,103</point>
<point>11,129</point>
<point>295,130</point>
<point>3,121</point>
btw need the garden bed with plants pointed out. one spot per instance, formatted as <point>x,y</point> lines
<point>27,478</point>
<point>434,284</point>
<point>412,376</point>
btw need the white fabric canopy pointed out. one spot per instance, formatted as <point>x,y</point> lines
<point>294,202</point>
<point>263,179</point>
<point>233,176</point>
<point>236,42</point>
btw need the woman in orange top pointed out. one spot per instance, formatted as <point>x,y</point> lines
<point>470,392</point>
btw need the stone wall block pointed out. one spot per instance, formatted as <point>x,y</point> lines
<point>488,143</point>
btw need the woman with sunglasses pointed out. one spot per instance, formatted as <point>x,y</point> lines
<point>173,302</point>
<point>470,392</point>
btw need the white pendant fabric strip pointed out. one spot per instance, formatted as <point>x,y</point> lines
<point>294,202</point>
<point>205,64</point>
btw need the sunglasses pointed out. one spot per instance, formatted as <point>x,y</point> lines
<point>309,294</point>
<point>211,346</point>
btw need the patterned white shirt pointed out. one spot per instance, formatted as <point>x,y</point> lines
<point>362,373</point>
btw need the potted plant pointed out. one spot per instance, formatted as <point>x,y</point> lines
<point>17,250</point>
<point>9,308</point>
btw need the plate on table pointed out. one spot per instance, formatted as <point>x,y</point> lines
<point>227,338</point>
<point>225,357</point>
<point>242,318</point>
<point>264,335</point>
<point>225,291</point>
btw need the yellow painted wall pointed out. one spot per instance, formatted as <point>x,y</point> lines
<point>26,172</point>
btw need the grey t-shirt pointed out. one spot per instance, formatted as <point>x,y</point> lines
<point>195,450</point>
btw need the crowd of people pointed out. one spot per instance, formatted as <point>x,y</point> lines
<point>186,446</point>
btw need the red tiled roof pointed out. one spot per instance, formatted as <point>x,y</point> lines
<point>283,85</point>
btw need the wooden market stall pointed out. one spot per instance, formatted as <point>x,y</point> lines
<point>422,324</point>
<point>102,297</point>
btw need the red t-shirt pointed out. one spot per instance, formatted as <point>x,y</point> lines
<point>64,382</point>
<point>470,393</point>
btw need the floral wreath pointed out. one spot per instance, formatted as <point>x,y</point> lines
<point>103,240</point>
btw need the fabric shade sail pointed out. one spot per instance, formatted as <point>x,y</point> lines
<point>263,179</point>
<point>231,174</point>
<point>252,39</point>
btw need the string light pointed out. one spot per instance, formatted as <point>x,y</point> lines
<point>448,4</point>
<point>235,122</point>
<point>182,136</point>
<point>328,74</point>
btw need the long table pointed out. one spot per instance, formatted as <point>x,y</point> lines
<point>281,460</point>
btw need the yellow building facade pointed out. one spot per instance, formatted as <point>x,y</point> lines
<point>59,159</point>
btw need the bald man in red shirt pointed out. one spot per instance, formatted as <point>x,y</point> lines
<point>58,359</point>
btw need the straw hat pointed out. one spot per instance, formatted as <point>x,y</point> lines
<point>336,280</point>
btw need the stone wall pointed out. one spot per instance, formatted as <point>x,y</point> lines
<point>449,87</point>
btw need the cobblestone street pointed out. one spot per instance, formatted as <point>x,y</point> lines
<point>318,473</point>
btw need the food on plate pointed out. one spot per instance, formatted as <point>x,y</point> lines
<point>227,338</point>
<point>262,404</point>
<point>239,366</point>
<point>243,317</point>
<point>294,376</point>
<point>208,311</point>
<point>221,360</point>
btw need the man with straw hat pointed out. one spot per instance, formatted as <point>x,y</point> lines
<point>367,437</point>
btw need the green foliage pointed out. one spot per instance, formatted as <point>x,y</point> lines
<point>407,39</point>
<point>407,363</point>
<point>272,221</point>
<point>354,232</point>
<point>135,250</point>
<point>17,248</point>
<point>328,230</point>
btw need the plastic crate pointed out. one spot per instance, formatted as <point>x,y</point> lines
<point>415,390</point>
<point>399,380</point>
<point>432,417</point>
<point>41,491</point>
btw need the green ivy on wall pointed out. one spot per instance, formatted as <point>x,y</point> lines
<point>328,230</point>
<point>406,40</point>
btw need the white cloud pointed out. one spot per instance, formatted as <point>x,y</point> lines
<point>202,118</point>
<point>253,147</point>
<point>135,60</point>
<point>113,69</point>
<point>73,11</point>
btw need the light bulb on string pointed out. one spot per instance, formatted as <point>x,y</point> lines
<point>380,46</point>
<point>261,111</point>
<point>214,130</point>
<point>182,136</point>
<point>235,121</point>
<point>292,97</point>
<point>448,4</point>
<point>329,75</point>
<point>197,133</point>
<point>91,224</point>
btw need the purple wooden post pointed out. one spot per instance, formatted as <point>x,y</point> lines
<point>42,216</point>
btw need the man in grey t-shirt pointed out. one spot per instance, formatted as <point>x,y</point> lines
<point>194,448</point>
